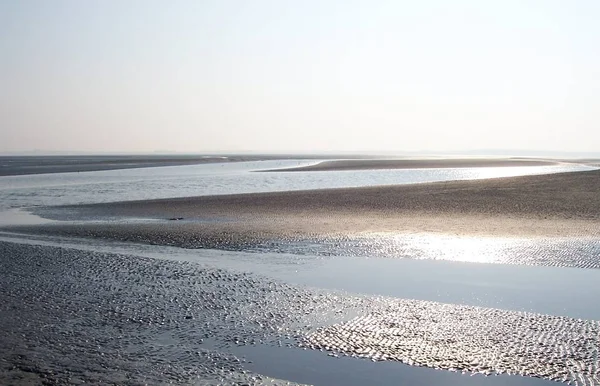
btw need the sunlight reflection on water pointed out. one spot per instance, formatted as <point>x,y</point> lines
<point>581,252</point>
<point>464,248</point>
<point>440,247</point>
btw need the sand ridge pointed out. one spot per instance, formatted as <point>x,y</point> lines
<point>543,205</point>
<point>424,163</point>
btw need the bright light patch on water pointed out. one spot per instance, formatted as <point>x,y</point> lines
<point>466,249</point>
<point>438,247</point>
<point>503,171</point>
<point>580,252</point>
<point>569,251</point>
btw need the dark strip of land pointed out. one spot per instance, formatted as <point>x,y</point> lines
<point>25,165</point>
<point>372,164</point>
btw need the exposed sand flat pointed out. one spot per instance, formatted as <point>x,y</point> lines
<point>74,317</point>
<point>70,317</point>
<point>546,205</point>
<point>372,164</point>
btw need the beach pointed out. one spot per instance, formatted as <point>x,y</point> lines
<point>358,284</point>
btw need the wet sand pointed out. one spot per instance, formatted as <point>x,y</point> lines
<point>72,317</point>
<point>566,204</point>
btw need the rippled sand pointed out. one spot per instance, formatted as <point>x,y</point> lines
<point>580,252</point>
<point>69,316</point>
<point>473,339</point>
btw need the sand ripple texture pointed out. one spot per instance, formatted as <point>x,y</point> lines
<point>70,317</point>
<point>578,252</point>
<point>554,252</point>
<point>470,339</point>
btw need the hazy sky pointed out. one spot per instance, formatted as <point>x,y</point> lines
<point>256,75</point>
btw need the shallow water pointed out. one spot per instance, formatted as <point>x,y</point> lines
<point>320,369</point>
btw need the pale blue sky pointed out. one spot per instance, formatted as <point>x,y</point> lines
<point>202,76</point>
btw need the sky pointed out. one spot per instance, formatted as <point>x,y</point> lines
<point>299,76</point>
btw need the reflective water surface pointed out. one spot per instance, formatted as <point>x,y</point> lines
<point>580,252</point>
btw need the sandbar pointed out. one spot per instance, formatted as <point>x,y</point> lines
<point>431,163</point>
<point>563,204</point>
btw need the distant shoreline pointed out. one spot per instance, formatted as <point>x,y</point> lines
<point>375,164</point>
<point>29,165</point>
